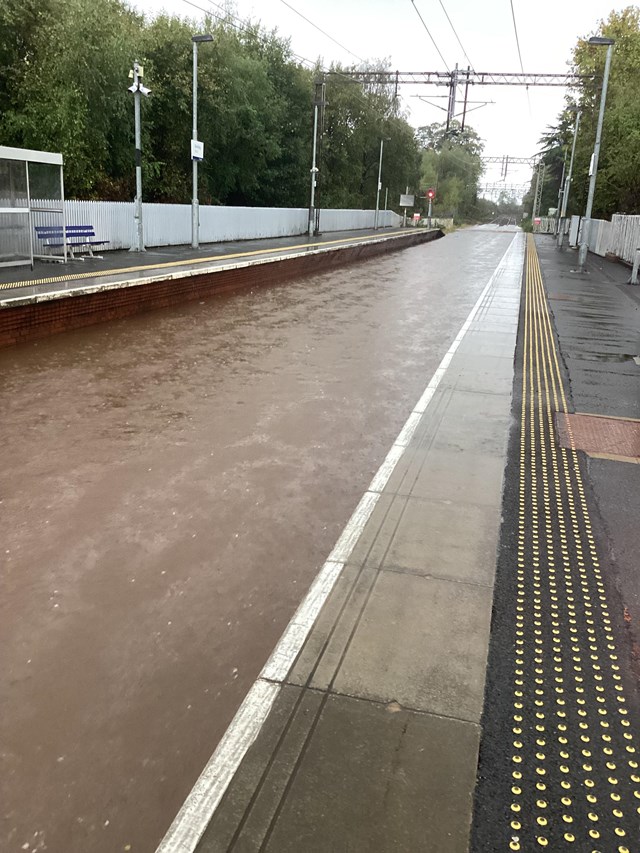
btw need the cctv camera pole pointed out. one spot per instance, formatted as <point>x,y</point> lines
<point>138,210</point>
<point>593,172</point>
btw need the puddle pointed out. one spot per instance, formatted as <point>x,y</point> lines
<point>613,357</point>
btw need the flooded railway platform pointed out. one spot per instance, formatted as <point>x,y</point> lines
<point>172,484</point>
<point>312,565</point>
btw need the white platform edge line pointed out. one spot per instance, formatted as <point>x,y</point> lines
<point>284,654</point>
<point>199,807</point>
<point>186,830</point>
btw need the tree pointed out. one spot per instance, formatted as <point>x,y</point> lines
<point>64,88</point>
<point>358,116</point>
<point>66,91</point>
<point>618,185</point>
<point>452,165</point>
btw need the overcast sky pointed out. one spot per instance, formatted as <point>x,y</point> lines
<point>391,29</point>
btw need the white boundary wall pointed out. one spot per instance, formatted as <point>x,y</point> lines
<point>170,224</point>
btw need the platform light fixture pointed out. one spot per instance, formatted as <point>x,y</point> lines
<point>593,171</point>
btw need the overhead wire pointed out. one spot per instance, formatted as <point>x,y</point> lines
<point>466,56</point>
<point>413,3</point>
<point>320,30</point>
<point>515,30</point>
<point>244,28</point>
<point>241,28</point>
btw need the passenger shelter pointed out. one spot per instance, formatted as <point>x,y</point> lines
<point>31,206</point>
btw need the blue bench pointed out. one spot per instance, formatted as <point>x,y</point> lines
<point>78,237</point>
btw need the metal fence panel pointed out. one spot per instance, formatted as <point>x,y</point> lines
<point>599,236</point>
<point>170,224</point>
<point>625,236</point>
<point>547,225</point>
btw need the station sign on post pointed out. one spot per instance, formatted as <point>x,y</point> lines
<point>406,201</point>
<point>197,150</point>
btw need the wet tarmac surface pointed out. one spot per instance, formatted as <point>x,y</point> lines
<point>171,485</point>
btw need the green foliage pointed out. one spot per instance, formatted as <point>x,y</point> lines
<point>618,185</point>
<point>358,117</point>
<point>64,88</point>
<point>452,165</point>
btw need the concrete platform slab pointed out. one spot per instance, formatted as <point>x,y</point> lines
<point>500,344</point>
<point>398,652</point>
<point>437,539</point>
<point>321,658</point>
<point>370,777</point>
<point>451,475</point>
<point>484,373</point>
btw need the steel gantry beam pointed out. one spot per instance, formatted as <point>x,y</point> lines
<point>466,77</point>
<point>474,78</point>
<point>513,161</point>
<point>515,189</point>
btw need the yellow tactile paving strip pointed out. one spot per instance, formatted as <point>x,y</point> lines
<point>190,262</point>
<point>559,571</point>
<point>572,756</point>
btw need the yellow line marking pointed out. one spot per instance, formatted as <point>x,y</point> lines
<point>192,261</point>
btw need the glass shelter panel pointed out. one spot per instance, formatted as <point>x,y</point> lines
<point>15,237</point>
<point>45,187</point>
<point>15,231</point>
<point>13,184</point>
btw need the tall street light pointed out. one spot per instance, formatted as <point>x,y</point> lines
<point>375,222</point>
<point>197,150</point>
<point>567,183</point>
<point>593,170</point>
<point>319,104</point>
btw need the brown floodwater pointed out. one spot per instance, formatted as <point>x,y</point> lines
<point>170,486</point>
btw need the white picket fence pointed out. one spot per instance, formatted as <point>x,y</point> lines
<point>620,237</point>
<point>170,224</point>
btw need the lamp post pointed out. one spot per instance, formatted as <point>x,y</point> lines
<point>319,104</point>
<point>375,222</point>
<point>196,151</point>
<point>593,171</point>
<point>138,89</point>
<point>567,183</point>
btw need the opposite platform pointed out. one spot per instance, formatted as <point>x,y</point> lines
<point>32,308</point>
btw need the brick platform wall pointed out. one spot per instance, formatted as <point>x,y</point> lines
<point>42,319</point>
